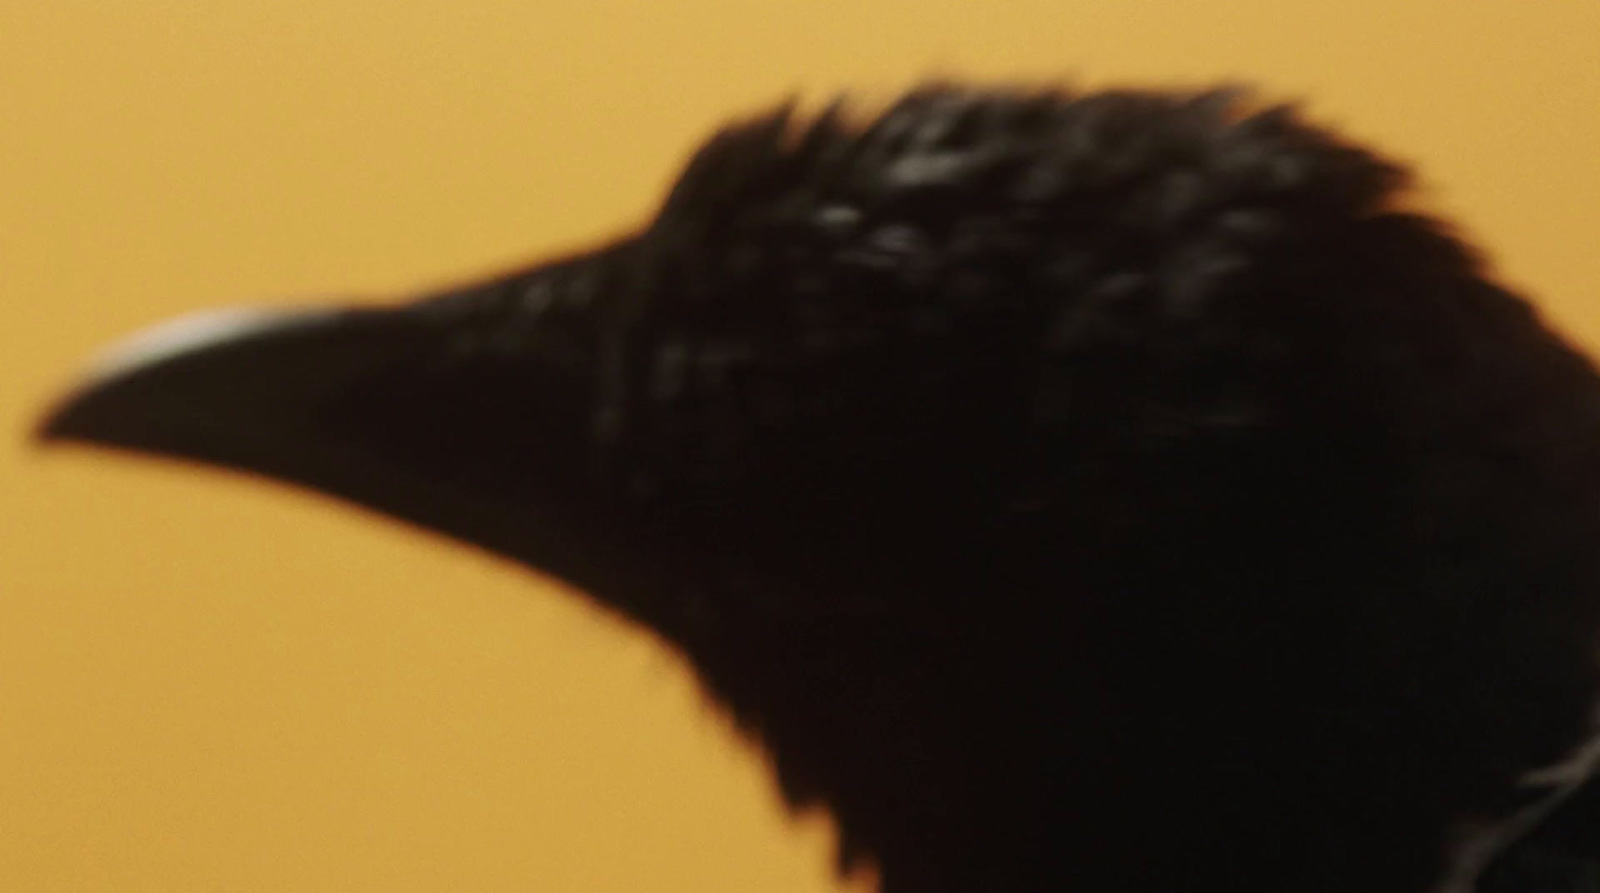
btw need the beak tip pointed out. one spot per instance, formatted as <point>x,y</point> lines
<point>92,413</point>
<point>75,419</point>
<point>54,427</point>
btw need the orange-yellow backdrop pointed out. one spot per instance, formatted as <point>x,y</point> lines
<point>211,684</point>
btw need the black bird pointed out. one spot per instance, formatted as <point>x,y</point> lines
<point>1117,491</point>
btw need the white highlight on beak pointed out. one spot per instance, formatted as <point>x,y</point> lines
<point>188,334</point>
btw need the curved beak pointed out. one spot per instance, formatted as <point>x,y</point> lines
<point>467,413</point>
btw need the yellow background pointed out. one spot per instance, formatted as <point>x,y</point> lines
<point>212,684</point>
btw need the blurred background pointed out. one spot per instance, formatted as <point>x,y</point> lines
<point>208,683</point>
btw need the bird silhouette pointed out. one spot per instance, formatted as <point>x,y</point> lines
<point>1104,491</point>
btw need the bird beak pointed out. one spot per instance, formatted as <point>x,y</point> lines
<point>224,386</point>
<point>463,413</point>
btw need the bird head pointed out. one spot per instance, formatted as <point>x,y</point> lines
<point>1121,489</point>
